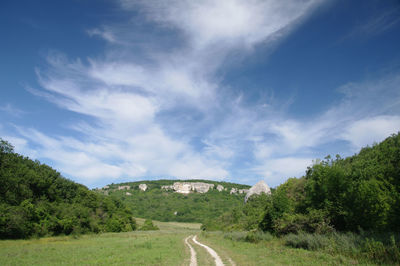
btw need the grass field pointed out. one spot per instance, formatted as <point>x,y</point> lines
<point>163,247</point>
<point>272,252</point>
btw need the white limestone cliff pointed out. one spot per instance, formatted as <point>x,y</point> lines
<point>257,189</point>
<point>143,187</point>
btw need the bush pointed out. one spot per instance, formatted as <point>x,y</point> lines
<point>378,251</point>
<point>380,248</point>
<point>235,236</point>
<point>313,222</point>
<point>252,236</point>
<point>148,226</point>
<point>307,241</point>
<point>257,236</point>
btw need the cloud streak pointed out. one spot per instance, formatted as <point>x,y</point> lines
<point>151,108</point>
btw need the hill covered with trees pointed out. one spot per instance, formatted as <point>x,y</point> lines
<point>35,200</point>
<point>358,193</point>
<point>164,205</point>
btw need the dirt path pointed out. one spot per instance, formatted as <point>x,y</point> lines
<point>193,259</point>
<point>217,259</point>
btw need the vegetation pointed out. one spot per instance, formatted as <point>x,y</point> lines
<point>357,194</point>
<point>148,226</point>
<point>125,248</point>
<point>163,247</point>
<point>271,251</point>
<point>381,248</point>
<point>36,200</point>
<point>162,205</point>
<point>343,211</point>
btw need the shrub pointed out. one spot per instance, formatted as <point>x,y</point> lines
<point>380,248</point>
<point>148,226</point>
<point>257,236</point>
<point>307,241</point>
<point>378,251</point>
<point>313,222</point>
<point>236,235</point>
<point>252,236</point>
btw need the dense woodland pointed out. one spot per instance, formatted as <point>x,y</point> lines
<point>358,193</point>
<point>158,204</point>
<point>35,200</point>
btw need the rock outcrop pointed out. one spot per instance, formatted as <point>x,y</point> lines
<point>243,191</point>
<point>123,187</point>
<point>143,187</point>
<point>168,187</point>
<point>183,188</point>
<point>233,191</point>
<point>257,189</point>
<point>201,187</point>
<point>187,187</point>
<point>220,188</point>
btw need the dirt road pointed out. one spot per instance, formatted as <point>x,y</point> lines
<point>212,252</point>
<point>193,259</point>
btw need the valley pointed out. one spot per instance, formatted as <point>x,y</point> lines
<point>46,219</point>
<point>163,247</point>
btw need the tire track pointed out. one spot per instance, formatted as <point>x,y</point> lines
<point>217,259</point>
<point>193,259</point>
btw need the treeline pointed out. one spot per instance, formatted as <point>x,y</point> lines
<point>35,200</point>
<point>358,193</point>
<point>161,205</point>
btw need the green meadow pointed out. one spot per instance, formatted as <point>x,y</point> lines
<point>162,247</point>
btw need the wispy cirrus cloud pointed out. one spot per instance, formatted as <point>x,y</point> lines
<point>376,25</point>
<point>153,105</point>
<point>12,110</point>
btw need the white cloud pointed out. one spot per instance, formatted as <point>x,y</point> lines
<point>282,146</point>
<point>103,33</point>
<point>369,130</point>
<point>230,22</point>
<point>12,110</point>
<point>165,113</point>
<point>120,99</point>
<point>274,171</point>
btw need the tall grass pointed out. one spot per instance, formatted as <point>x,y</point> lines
<point>252,236</point>
<point>380,248</point>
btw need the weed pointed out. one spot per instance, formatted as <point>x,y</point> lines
<point>252,236</point>
<point>380,248</point>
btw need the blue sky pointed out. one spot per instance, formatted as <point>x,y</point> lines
<point>120,90</point>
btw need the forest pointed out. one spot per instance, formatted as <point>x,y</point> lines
<point>35,201</point>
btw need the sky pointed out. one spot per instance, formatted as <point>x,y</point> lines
<point>111,91</point>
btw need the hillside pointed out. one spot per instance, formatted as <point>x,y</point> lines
<point>35,200</point>
<point>160,202</point>
<point>358,193</point>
